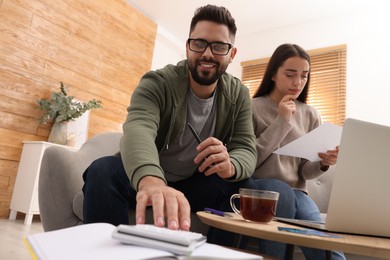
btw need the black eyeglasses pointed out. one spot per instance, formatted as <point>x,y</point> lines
<point>217,48</point>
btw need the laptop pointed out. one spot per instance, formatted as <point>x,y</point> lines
<point>360,198</point>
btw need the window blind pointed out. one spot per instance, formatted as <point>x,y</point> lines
<point>327,90</point>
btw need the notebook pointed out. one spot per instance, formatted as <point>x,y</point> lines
<point>360,197</point>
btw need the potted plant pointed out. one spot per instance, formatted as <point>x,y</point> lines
<point>61,109</point>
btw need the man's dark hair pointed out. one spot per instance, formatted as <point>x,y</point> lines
<point>217,14</point>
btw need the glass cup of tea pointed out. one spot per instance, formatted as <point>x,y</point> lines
<point>256,205</point>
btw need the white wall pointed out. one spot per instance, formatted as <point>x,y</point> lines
<point>167,49</point>
<point>367,36</point>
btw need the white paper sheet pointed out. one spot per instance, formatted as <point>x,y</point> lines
<point>94,241</point>
<point>325,137</point>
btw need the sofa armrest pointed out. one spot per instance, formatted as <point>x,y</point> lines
<point>61,178</point>
<point>319,189</point>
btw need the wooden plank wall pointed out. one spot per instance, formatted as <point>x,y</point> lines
<point>99,48</point>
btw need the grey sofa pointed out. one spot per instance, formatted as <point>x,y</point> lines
<point>60,184</point>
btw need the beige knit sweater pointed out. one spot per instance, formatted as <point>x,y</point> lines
<point>273,132</point>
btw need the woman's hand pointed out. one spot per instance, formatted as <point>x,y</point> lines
<point>329,158</point>
<point>287,107</point>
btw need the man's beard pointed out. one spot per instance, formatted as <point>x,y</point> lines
<point>205,78</point>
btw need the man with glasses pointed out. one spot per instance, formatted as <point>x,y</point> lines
<point>161,163</point>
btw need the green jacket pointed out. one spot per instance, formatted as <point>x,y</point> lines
<point>157,113</point>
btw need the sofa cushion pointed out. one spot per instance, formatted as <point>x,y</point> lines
<point>319,189</point>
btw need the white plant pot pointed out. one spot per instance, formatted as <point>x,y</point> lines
<point>59,133</point>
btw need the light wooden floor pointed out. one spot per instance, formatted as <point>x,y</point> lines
<point>11,238</point>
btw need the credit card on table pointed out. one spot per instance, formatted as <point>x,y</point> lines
<point>310,232</point>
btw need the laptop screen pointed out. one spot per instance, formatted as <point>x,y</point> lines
<point>360,197</point>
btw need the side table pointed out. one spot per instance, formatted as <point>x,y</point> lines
<point>347,243</point>
<point>25,194</point>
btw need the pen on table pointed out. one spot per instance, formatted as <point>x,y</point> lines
<point>194,133</point>
<point>217,212</point>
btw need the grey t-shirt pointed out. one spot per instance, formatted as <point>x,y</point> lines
<point>178,160</point>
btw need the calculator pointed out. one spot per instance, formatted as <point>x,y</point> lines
<point>179,242</point>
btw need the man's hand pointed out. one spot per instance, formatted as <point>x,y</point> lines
<point>287,107</point>
<point>165,201</point>
<point>215,157</point>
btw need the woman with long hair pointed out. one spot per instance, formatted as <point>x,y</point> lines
<point>281,115</point>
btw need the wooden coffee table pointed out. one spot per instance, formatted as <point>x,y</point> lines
<point>347,243</point>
